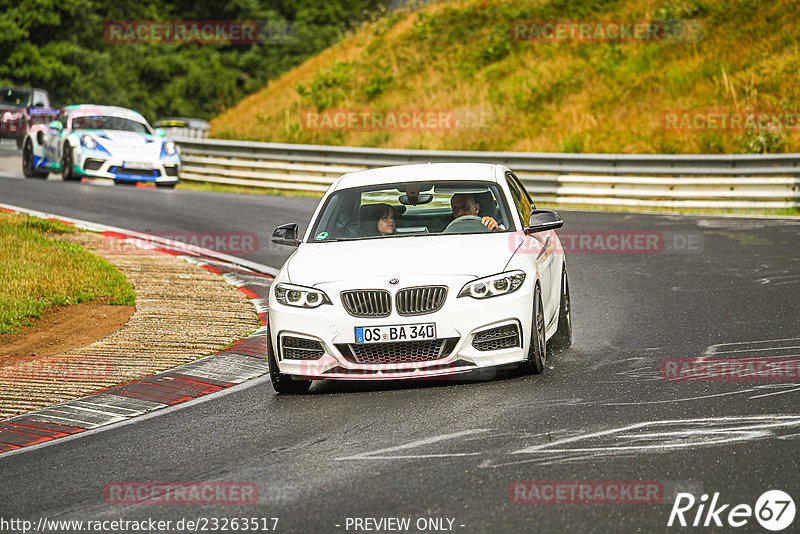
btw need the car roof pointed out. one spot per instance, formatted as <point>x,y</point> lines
<point>421,173</point>
<point>113,111</point>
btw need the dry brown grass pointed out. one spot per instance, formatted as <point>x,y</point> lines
<point>536,96</point>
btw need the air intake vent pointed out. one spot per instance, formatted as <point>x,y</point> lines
<point>503,337</point>
<point>298,348</point>
<point>420,300</point>
<point>93,164</point>
<point>367,302</point>
<point>400,352</point>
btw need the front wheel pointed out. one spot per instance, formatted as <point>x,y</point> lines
<point>283,383</point>
<point>67,166</point>
<point>27,162</point>
<point>562,339</point>
<point>537,350</point>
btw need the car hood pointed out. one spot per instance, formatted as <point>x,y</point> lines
<point>123,140</point>
<point>466,255</point>
<point>6,107</point>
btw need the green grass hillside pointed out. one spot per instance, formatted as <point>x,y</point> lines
<point>461,58</point>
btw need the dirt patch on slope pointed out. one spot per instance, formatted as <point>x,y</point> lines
<point>62,328</point>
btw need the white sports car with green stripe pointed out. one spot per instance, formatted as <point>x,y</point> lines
<point>101,142</point>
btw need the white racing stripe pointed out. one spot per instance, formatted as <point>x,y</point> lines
<point>382,454</point>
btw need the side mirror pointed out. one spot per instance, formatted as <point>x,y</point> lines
<point>160,132</point>
<point>55,125</point>
<point>286,234</point>
<point>543,220</point>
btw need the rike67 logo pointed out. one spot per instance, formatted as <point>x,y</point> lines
<point>774,510</point>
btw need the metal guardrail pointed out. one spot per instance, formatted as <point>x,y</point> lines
<point>714,181</point>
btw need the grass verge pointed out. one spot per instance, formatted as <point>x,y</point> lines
<point>38,271</point>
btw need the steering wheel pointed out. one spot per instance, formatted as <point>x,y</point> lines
<point>466,224</point>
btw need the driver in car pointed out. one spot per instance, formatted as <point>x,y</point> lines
<point>465,204</point>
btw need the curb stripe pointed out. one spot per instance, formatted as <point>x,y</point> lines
<point>241,361</point>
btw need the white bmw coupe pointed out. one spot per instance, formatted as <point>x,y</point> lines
<point>418,271</point>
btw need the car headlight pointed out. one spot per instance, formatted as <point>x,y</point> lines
<point>170,149</point>
<point>300,297</point>
<point>89,142</point>
<point>493,286</point>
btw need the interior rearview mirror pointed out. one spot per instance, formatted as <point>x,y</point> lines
<point>414,200</point>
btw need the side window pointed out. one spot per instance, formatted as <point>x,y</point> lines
<point>63,118</point>
<point>521,199</point>
<point>39,97</point>
<point>522,188</point>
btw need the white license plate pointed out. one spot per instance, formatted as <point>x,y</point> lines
<point>137,165</point>
<point>399,332</point>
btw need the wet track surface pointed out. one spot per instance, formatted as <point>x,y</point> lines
<point>602,411</point>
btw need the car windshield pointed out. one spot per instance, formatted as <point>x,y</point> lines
<point>411,209</point>
<point>108,122</point>
<point>15,97</point>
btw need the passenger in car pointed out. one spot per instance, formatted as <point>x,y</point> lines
<point>465,204</point>
<point>386,222</point>
<point>378,219</point>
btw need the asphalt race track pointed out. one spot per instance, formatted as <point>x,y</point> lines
<point>715,287</point>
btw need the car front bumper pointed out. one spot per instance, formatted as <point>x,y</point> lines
<point>99,165</point>
<point>457,324</point>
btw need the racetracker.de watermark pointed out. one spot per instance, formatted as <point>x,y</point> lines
<point>773,369</point>
<point>608,31</point>
<point>181,32</point>
<point>611,242</point>
<point>180,493</point>
<point>716,120</point>
<point>585,492</point>
<point>394,120</point>
<point>599,491</point>
<point>59,368</point>
<point>235,243</point>
<point>210,32</point>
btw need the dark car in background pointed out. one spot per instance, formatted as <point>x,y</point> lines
<point>21,108</point>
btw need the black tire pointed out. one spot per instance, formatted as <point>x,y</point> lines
<point>27,163</point>
<point>537,348</point>
<point>562,339</point>
<point>67,170</point>
<point>165,186</point>
<point>283,383</point>
<point>125,182</point>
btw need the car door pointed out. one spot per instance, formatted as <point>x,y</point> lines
<point>540,249</point>
<point>52,142</point>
